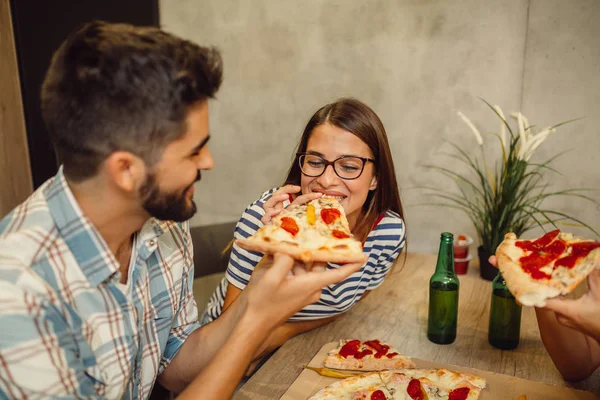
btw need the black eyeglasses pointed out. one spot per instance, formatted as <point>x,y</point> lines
<point>346,167</point>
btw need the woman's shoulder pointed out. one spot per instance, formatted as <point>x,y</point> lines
<point>389,227</point>
<point>389,220</point>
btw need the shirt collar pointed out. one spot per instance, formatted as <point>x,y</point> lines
<point>86,244</point>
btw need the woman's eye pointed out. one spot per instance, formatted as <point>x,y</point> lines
<point>350,167</point>
<point>315,164</point>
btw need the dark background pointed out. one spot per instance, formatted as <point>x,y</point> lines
<point>40,26</point>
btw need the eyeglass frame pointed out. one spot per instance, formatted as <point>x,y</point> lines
<point>364,160</point>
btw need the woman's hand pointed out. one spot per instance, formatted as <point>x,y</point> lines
<point>274,205</point>
<point>583,313</point>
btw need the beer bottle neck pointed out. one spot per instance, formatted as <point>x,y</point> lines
<point>445,262</point>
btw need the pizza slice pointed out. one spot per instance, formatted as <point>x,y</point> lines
<point>316,231</point>
<point>432,384</point>
<point>552,265</point>
<point>370,355</point>
<point>362,387</point>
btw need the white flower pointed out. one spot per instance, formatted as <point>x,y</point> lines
<point>473,128</point>
<point>533,143</point>
<point>521,129</point>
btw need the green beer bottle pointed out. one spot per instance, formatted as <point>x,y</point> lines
<point>443,295</point>
<point>505,317</point>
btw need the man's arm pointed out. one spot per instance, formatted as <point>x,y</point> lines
<point>230,342</point>
<point>199,348</point>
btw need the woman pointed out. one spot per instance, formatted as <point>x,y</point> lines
<point>343,152</point>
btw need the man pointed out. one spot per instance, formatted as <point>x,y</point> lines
<point>96,266</point>
<point>570,330</point>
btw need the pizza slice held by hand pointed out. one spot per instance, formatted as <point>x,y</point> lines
<point>550,266</point>
<point>316,231</point>
<point>370,355</point>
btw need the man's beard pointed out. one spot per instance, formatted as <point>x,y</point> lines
<point>167,206</point>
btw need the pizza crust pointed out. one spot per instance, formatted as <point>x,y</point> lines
<point>533,292</point>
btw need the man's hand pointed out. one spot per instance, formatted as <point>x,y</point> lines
<point>275,293</point>
<point>583,313</point>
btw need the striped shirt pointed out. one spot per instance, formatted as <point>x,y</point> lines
<point>68,327</point>
<point>382,246</point>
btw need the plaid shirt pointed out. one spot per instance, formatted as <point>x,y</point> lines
<point>68,328</point>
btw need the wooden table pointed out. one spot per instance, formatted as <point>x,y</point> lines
<point>397,313</point>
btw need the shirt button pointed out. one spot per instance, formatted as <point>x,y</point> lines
<point>151,243</point>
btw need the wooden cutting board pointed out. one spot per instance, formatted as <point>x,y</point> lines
<point>499,387</point>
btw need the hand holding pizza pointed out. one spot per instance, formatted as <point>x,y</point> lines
<point>273,295</point>
<point>274,205</point>
<point>583,313</point>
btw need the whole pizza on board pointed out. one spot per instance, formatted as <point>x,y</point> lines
<point>316,231</point>
<point>550,266</point>
<point>409,384</point>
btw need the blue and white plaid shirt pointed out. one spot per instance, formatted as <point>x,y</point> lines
<point>68,328</point>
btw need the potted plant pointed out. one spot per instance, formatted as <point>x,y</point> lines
<point>509,195</point>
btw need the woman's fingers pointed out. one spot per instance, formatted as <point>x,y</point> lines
<point>274,204</point>
<point>276,198</point>
<point>305,198</point>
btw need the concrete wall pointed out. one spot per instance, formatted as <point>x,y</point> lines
<point>416,63</point>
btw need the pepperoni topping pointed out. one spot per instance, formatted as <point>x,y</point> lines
<point>578,250</point>
<point>391,355</point>
<point>378,395</point>
<point>290,225</point>
<point>350,348</point>
<point>381,349</point>
<point>414,390</point>
<point>549,248</point>
<point>329,215</point>
<point>363,354</point>
<point>459,394</point>
<point>339,234</point>
<point>542,257</point>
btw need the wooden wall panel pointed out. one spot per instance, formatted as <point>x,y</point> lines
<point>15,172</point>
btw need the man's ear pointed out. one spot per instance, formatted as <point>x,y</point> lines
<point>125,170</point>
<point>373,184</point>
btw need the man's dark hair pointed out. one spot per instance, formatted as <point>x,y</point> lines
<point>114,87</point>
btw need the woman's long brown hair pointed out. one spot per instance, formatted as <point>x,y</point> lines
<point>359,119</point>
